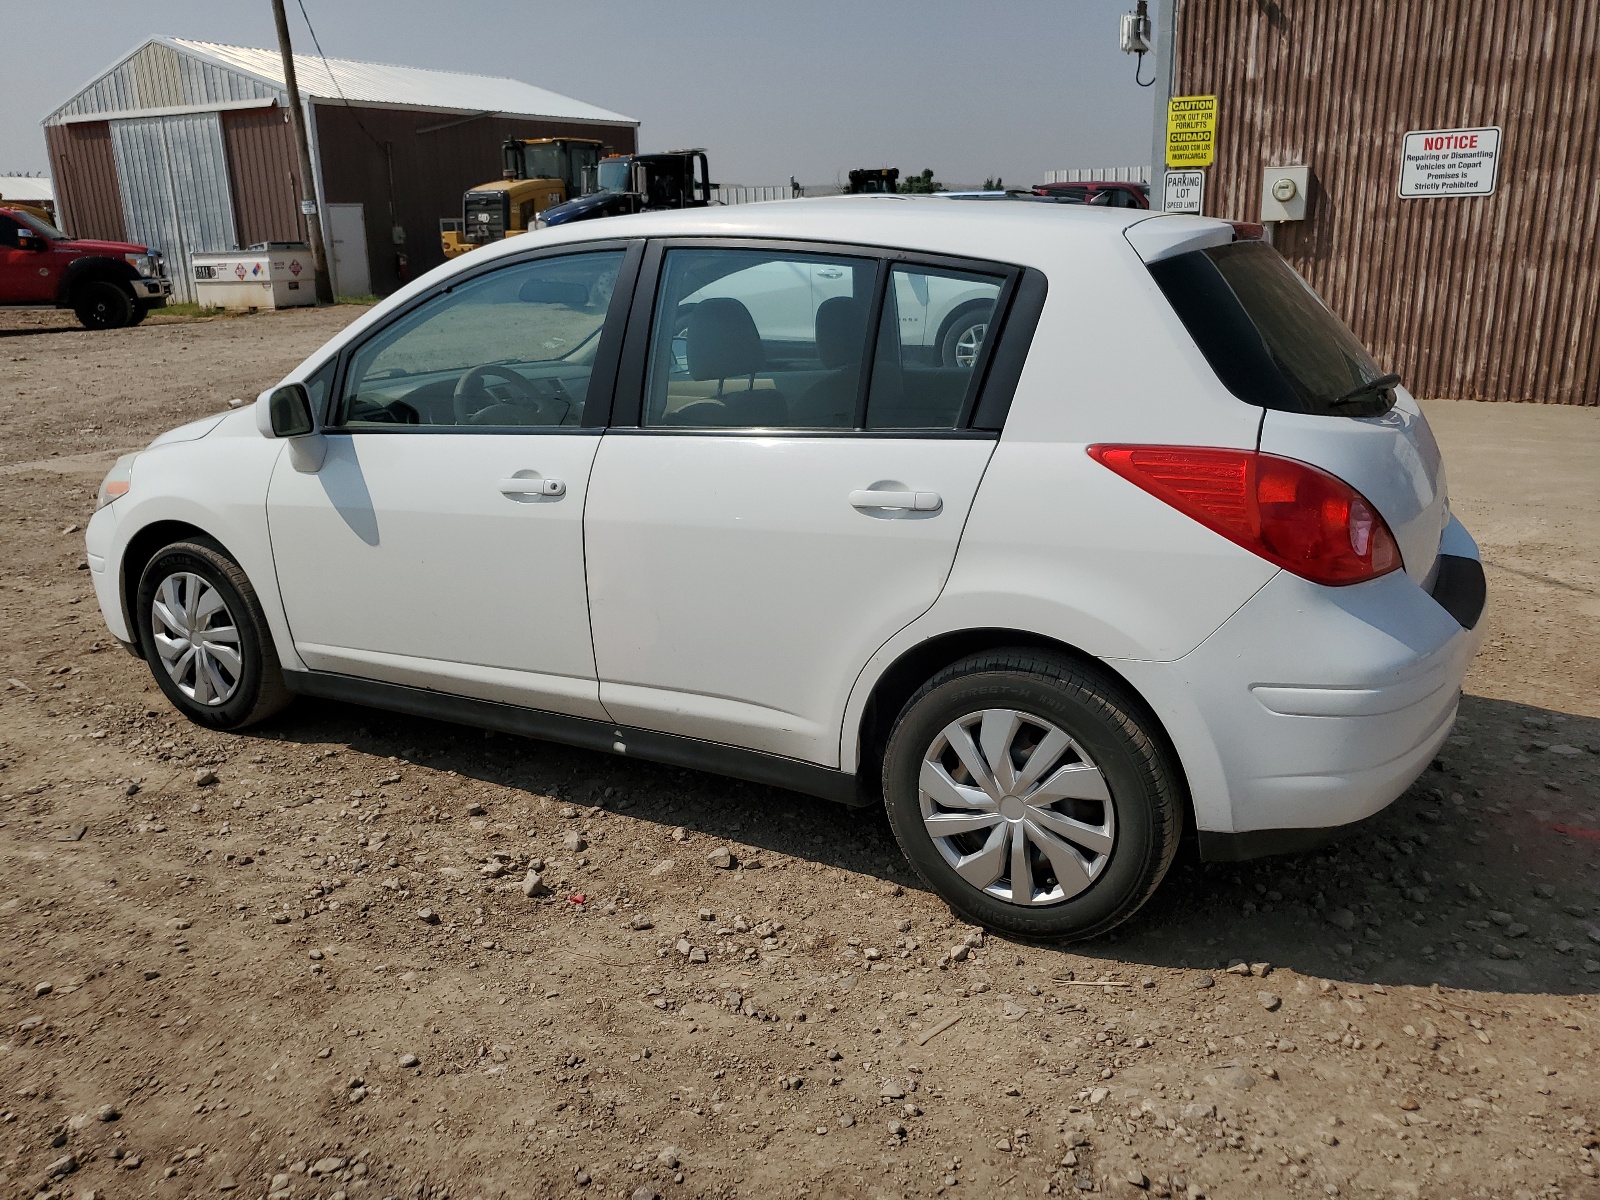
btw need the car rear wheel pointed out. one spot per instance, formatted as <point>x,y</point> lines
<point>103,305</point>
<point>1033,793</point>
<point>205,637</point>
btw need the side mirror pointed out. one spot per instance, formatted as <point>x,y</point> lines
<point>289,409</point>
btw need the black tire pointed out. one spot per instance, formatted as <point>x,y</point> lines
<point>974,320</point>
<point>102,304</point>
<point>1118,736</point>
<point>140,312</point>
<point>258,688</point>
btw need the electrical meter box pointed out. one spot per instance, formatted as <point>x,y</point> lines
<point>1284,191</point>
<point>268,275</point>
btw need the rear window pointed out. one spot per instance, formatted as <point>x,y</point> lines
<point>1269,337</point>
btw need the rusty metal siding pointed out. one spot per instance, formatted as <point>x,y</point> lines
<point>264,173</point>
<point>1483,298</point>
<point>85,173</point>
<point>436,158</point>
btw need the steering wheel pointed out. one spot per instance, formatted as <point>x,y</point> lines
<point>472,394</point>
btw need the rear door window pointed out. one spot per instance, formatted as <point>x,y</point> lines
<point>752,339</point>
<point>931,343</point>
<point>1268,335</point>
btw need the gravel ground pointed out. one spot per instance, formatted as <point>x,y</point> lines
<point>303,962</point>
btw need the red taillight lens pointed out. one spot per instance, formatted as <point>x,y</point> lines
<point>1288,512</point>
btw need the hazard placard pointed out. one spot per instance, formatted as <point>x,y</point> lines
<point>1191,131</point>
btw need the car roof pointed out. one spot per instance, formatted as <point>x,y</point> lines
<point>1026,233</point>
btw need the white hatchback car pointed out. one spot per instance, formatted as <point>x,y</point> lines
<point>1166,550</point>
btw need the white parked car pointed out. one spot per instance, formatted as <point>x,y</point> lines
<point>1165,552</point>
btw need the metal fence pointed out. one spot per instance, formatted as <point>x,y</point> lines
<point>734,193</point>
<point>1099,175</point>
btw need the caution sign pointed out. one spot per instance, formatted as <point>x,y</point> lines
<point>1450,162</point>
<point>1185,192</point>
<point>1191,131</point>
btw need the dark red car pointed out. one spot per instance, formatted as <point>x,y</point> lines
<point>1102,192</point>
<point>107,284</point>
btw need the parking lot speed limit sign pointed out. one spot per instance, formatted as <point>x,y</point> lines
<point>1184,192</point>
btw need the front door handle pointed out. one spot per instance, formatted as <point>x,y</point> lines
<point>912,501</point>
<point>532,487</point>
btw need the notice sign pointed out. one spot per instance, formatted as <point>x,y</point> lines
<point>1450,162</point>
<point>1184,192</point>
<point>1191,131</point>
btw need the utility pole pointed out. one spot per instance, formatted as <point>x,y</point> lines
<point>308,203</point>
<point>1166,67</point>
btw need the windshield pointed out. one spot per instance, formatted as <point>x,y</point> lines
<point>615,176</point>
<point>544,162</point>
<point>1268,335</point>
<point>41,225</point>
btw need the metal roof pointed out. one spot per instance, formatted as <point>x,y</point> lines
<point>170,74</point>
<point>26,188</point>
<point>379,83</point>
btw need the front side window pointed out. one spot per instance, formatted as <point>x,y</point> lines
<point>513,348</point>
<point>757,339</point>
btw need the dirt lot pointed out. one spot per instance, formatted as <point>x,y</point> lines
<point>311,978</point>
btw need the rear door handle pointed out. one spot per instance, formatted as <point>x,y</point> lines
<point>532,487</point>
<point>912,501</point>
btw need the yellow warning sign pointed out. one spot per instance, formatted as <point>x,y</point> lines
<point>1191,131</point>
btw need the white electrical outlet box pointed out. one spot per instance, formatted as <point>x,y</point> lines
<point>1283,193</point>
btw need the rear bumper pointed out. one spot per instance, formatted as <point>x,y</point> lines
<point>1315,707</point>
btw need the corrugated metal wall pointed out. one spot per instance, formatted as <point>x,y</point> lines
<point>84,169</point>
<point>1485,298</point>
<point>431,171</point>
<point>157,76</point>
<point>264,171</point>
<point>175,196</point>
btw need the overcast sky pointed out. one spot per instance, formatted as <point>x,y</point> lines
<point>772,90</point>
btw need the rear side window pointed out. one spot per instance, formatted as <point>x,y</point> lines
<point>1269,337</point>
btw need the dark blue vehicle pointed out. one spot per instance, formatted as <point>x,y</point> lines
<point>631,183</point>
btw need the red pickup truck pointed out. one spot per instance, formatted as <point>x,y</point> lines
<point>107,284</point>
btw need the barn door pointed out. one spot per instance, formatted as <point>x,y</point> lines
<point>175,196</point>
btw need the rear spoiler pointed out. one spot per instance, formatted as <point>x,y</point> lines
<point>1164,235</point>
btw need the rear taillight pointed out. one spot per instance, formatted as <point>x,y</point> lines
<point>1288,512</point>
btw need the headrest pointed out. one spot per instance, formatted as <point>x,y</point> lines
<point>841,331</point>
<point>721,340</point>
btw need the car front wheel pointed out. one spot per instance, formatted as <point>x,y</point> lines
<point>205,638</point>
<point>1033,794</point>
<point>962,342</point>
<point>103,305</point>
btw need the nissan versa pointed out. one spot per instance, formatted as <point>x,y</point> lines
<point>1152,544</point>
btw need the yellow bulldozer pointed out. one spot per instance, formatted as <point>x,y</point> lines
<point>539,173</point>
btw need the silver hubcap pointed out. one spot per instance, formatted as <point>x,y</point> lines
<point>1017,807</point>
<point>197,639</point>
<point>969,343</point>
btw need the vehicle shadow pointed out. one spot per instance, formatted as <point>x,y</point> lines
<point>11,333</point>
<point>1484,875</point>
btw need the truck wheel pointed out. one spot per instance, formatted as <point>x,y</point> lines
<point>1033,794</point>
<point>206,639</point>
<point>962,341</point>
<point>140,312</point>
<point>103,305</point>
